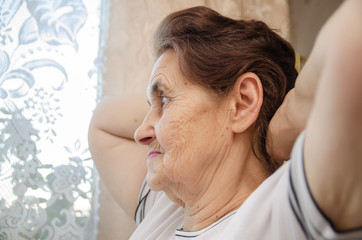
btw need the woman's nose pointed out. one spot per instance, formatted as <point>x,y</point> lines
<point>145,133</point>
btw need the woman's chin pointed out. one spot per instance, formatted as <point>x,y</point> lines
<point>155,182</point>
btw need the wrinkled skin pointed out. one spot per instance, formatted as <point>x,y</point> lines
<point>186,124</point>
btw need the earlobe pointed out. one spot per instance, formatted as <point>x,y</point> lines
<point>246,100</point>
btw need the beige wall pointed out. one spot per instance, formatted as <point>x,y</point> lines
<point>132,24</point>
<point>129,63</point>
<point>307,17</point>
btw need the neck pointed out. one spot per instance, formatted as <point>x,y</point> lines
<point>228,187</point>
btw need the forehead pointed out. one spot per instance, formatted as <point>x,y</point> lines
<point>166,64</point>
<point>165,72</point>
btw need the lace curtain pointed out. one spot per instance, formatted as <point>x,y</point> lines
<point>50,67</point>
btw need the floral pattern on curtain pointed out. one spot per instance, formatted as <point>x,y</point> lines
<point>50,65</point>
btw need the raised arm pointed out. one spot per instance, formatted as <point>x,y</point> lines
<point>292,116</point>
<point>327,101</point>
<point>120,161</point>
<point>333,147</point>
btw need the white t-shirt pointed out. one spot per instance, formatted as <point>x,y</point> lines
<point>280,208</point>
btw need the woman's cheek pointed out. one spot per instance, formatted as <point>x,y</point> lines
<point>175,159</point>
<point>175,138</point>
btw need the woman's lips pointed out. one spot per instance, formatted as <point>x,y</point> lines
<point>152,154</point>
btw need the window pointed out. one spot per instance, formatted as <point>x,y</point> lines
<point>50,63</point>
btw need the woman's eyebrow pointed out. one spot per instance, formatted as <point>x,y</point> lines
<point>156,87</point>
<point>153,89</point>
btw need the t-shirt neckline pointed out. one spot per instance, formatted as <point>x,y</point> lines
<point>190,234</point>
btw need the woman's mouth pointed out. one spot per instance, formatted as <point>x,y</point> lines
<point>152,154</point>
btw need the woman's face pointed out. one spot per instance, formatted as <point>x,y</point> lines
<point>185,130</point>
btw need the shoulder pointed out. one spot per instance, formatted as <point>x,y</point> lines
<point>270,210</point>
<point>284,199</point>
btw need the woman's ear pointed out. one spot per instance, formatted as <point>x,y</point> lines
<point>246,100</point>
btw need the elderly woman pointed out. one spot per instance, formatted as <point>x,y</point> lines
<point>214,88</point>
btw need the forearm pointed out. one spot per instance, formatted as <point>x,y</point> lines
<point>120,161</point>
<point>121,164</point>
<point>291,117</point>
<point>120,115</point>
<point>282,131</point>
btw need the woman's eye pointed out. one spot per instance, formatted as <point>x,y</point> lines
<point>164,100</point>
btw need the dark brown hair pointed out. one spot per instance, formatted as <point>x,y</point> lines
<point>214,50</point>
